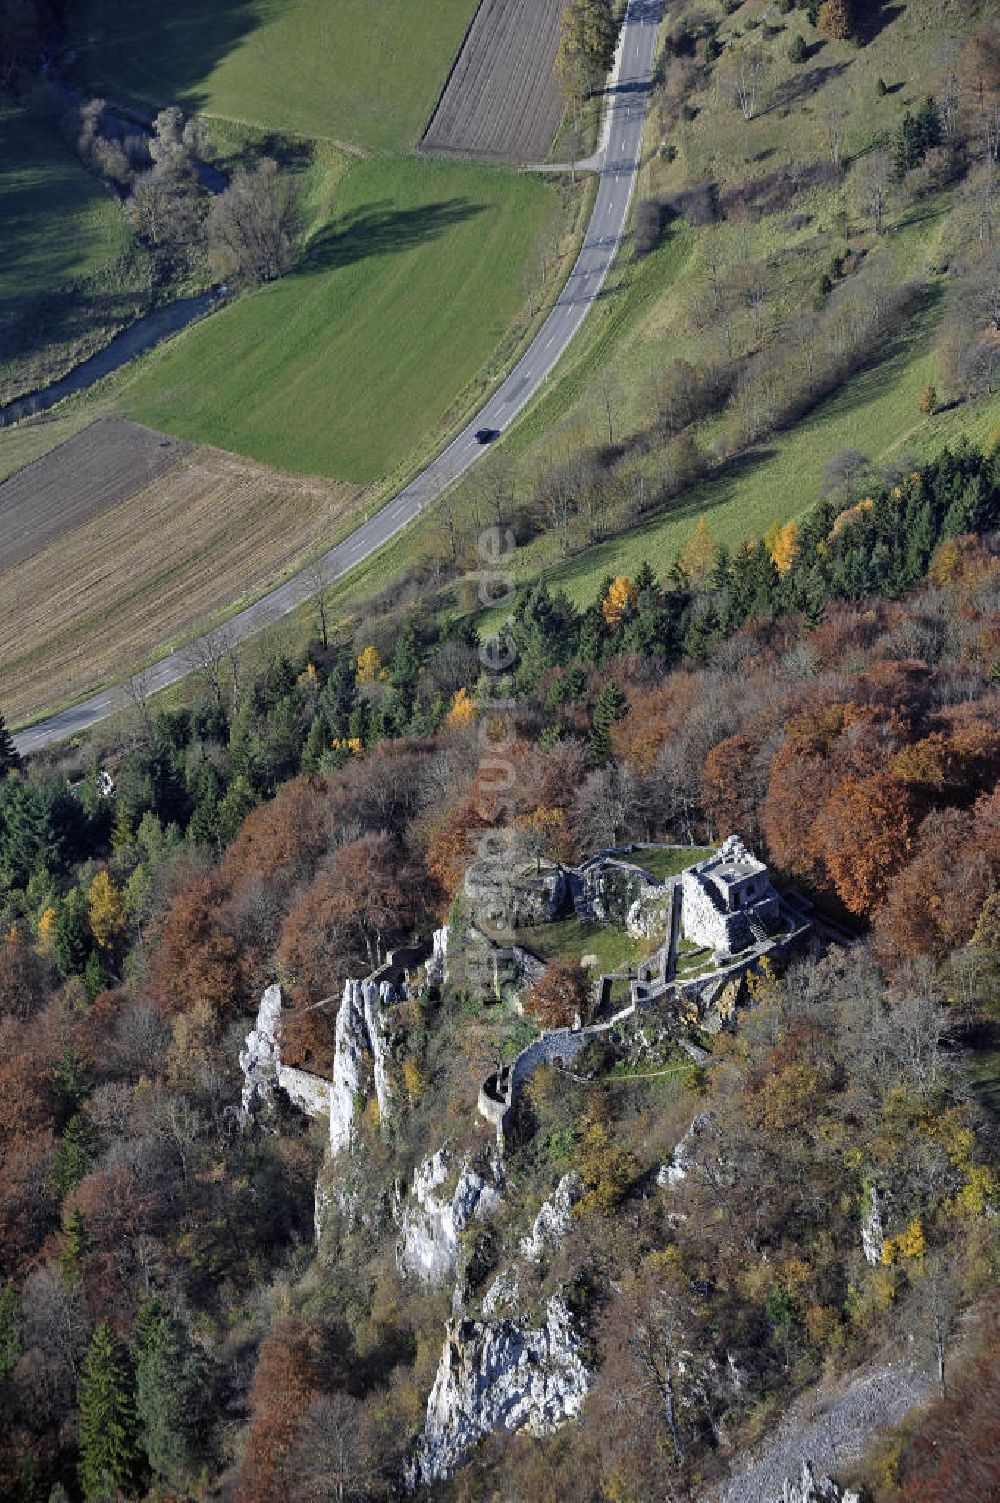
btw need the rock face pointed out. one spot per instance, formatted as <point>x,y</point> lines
<point>500,1375</point>
<point>807,1489</point>
<point>436,969</point>
<point>554,1219</point>
<point>610,888</point>
<point>264,1074</point>
<point>677,1170</point>
<point>872,1229</point>
<point>260,1057</point>
<point>507,894</point>
<point>428,1246</point>
<point>360,1058</point>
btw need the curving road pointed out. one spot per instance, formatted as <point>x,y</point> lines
<point>618,169</point>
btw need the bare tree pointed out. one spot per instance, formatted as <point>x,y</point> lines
<point>335,1458</point>
<point>834,116</point>
<point>253,226</point>
<point>321,576</point>
<point>745,71</point>
<point>874,188</point>
<point>208,655</point>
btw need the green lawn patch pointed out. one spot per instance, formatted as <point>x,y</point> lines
<point>668,861</point>
<point>572,938</point>
<point>362,71</point>
<point>409,287</point>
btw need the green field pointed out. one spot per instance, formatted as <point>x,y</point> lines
<point>59,223</point>
<point>362,71</point>
<point>66,279</point>
<point>405,295</point>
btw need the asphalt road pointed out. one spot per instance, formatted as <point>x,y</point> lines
<point>629,101</point>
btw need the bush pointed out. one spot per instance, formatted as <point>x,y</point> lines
<point>696,203</point>
<point>798,51</point>
<point>650,221</point>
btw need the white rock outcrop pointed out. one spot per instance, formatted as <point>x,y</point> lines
<point>360,1056</point>
<point>873,1228</point>
<point>502,1296</point>
<point>500,1375</point>
<point>674,1173</point>
<point>433,1222</point>
<point>436,968</point>
<point>264,1074</point>
<point>260,1057</point>
<point>808,1489</point>
<point>554,1219</point>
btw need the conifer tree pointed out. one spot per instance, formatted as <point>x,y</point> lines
<point>611,706</point>
<point>10,759</point>
<point>109,1452</point>
<point>170,1385</point>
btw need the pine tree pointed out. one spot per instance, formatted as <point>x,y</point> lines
<point>73,1156</point>
<point>10,1329</point>
<point>74,1248</point>
<point>10,759</point>
<point>170,1383</point>
<point>317,743</point>
<point>109,1452</point>
<point>611,706</point>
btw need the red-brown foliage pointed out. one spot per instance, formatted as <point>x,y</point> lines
<point>196,961</point>
<point>956,1452</point>
<point>866,833</point>
<point>560,994</point>
<point>294,1366</point>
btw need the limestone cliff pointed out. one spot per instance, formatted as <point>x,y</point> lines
<point>500,1375</point>
<point>360,1059</point>
<point>434,1219</point>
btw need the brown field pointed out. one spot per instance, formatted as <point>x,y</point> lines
<point>502,101</point>
<point>79,481</point>
<point>151,571</point>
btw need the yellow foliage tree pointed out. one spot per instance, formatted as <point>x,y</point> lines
<point>104,910</point>
<point>47,930</point>
<point>414,1082</point>
<point>621,598</point>
<point>909,1244</point>
<point>784,547</point>
<point>370,670</point>
<point>698,553</point>
<point>463,711</point>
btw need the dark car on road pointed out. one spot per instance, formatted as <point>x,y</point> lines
<point>487,435</point>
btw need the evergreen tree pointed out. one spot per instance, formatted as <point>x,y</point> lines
<point>73,1156</point>
<point>10,758</point>
<point>10,1329</point>
<point>170,1388</point>
<point>72,946</point>
<point>611,706</point>
<point>108,1432</point>
<point>74,1248</point>
<point>317,743</point>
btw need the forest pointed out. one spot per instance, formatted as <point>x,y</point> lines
<point>831,692</point>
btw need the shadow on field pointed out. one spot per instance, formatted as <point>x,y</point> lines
<point>379,230</point>
<point>185,39</point>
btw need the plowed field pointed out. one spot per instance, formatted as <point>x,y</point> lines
<point>75,483</point>
<point>149,571</point>
<point>502,100</point>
